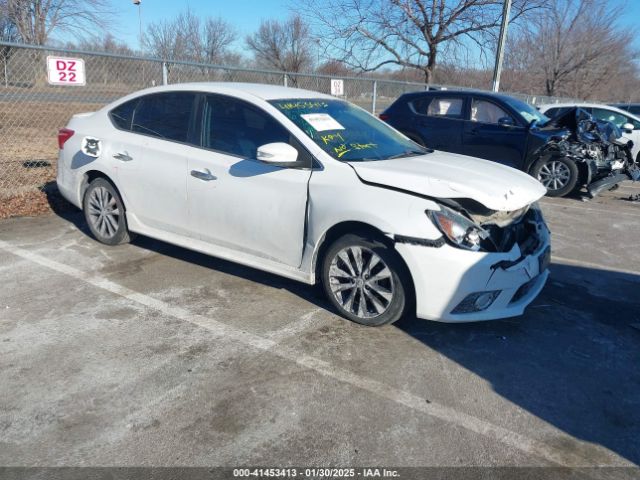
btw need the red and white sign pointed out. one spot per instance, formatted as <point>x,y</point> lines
<point>337,87</point>
<point>65,71</point>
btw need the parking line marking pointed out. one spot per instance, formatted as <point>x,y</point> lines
<point>379,389</point>
<point>297,326</point>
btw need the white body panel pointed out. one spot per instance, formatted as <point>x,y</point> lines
<point>276,219</point>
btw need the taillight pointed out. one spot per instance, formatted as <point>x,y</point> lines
<point>64,134</point>
<point>384,116</point>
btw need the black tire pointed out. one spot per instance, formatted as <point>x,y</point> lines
<point>558,174</point>
<point>415,138</point>
<point>108,224</point>
<point>369,305</point>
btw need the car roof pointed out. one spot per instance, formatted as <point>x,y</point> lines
<point>259,90</point>
<point>477,93</point>
<point>588,105</point>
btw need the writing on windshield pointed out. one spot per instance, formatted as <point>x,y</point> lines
<point>346,132</point>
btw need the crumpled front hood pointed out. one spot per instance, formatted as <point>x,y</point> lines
<point>448,175</point>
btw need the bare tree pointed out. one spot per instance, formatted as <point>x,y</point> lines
<point>369,34</point>
<point>188,37</point>
<point>167,39</point>
<point>8,33</point>
<point>36,20</point>
<point>573,47</point>
<point>285,45</point>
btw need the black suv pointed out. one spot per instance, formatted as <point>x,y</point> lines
<point>479,124</point>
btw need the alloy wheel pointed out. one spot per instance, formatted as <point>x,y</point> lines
<point>554,175</point>
<point>361,282</point>
<point>103,212</point>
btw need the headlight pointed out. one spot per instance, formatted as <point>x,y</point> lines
<point>458,229</point>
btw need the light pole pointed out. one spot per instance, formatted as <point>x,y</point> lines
<point>138,3</point>
<point>506,11</point>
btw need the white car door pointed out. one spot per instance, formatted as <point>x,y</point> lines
<point>619,120</point>
<point>237,202</point>
<point>152,160</point>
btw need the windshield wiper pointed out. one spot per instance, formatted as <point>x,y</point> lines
<point>408,153</point>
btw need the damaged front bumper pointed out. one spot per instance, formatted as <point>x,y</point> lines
<point>477,285</point>
<point>632,173</point>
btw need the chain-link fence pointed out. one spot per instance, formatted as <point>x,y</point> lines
<point>32,110</point>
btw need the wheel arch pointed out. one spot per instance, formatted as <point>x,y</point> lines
<point>89,176</point>
<point>369,231</point>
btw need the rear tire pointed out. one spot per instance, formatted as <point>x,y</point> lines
<point>105,214</point>
<point>365,280</point>
<point>558,174</point>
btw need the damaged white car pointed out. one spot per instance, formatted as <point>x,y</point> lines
<point>312,188</point>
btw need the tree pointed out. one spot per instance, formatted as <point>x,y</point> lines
<point>36,20</point>
<point>573,47</point>
<point>188,37</point>
<point>8,33</point>
<point>285,45</point>
<point>369,34</point>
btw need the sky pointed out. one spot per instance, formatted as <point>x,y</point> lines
<point>246,15</point>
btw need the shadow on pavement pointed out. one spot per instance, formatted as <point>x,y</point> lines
<point>573,359</point>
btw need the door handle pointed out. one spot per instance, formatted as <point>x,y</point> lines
<point>123,156</point>
<point>206,175</point>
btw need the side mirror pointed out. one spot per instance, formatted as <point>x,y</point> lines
<point>279,153</point>
<point>627,127</point>
<point>506,121</point>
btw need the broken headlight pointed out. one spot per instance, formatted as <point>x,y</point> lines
<point>458,229</point>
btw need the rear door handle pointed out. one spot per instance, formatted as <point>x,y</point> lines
<point>123,156</point>
<point>206,175</point>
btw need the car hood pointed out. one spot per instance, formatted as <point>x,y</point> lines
<point>448,175</point>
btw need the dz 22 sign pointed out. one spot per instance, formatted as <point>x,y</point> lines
<point>65,71</point>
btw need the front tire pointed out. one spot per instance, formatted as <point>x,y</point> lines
<point>365,280</point>
<point>104,213</point>
<point>558,174</point>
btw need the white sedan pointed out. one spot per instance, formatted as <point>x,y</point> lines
<point>627,122</point>
<point>312,188</point>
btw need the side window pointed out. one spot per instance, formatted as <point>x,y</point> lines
<point>445,107</point>
<point>236,127</point>
<point>420,105</point>
<point>556,111</point>
<point>122,115</point>
<point>164,115</point>
<point>487,112</point>
<point>616,118</point>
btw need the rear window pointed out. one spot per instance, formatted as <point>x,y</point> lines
<point>122,115</point>
<point>439,106</point>
<point>164,115</point>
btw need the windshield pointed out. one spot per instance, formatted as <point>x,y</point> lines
<point>346,132</point>
<point>528,112</point>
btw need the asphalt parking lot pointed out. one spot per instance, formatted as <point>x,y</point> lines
<point>148,354</point>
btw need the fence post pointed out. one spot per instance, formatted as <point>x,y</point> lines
<point>374,97</point>
<point>285,80</point>
<point>165,74</point>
